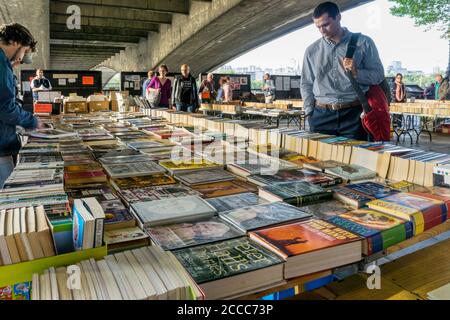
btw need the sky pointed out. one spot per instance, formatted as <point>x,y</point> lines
<point>396,38</point>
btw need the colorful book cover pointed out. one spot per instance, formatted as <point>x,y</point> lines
<point>352,172</point>
<point>236,201</point>
<point>156,193</point>
<point>425,213</point>
<point>298,192</point>
<point>306,175</point>
<point>380,230</point>
<point>225,188</point>
<point>115,213</point>
<point>207,176</point>
<point>189,234</point>
<point>216,261</point>
<point>326,210</point>
<point>436,193</point>
<point>78,229</point>
<point>22,291</point>
<point>364,192</point>
<point>6,293</point>
<point>304,237</point>
<point>260,216</point>
<point>193,165</point>
<point>144,181</point>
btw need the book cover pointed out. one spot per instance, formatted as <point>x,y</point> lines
<point>207,176</point>
<point>225,188</point>
<point>116,215</point>
<point>156,193</point>
<point>297,193</point>
<point>165,211</point>
<point>306,175</point>
<point>199,164</point>
<point>189,234</point>
<point>303,237</point>
<point>132,169</point>
<point>216,261</point>
<point>380,230</point>
<point>142,182</point>
<point>255,217</point>
<point>326,210</point>
<point>352,172</point>
<point>124,235</point>
<point>236,201</point>
<point>437,193</point>
<point>425,213</point>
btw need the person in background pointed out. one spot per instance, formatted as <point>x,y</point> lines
<point>330,102</point>
<point>185,93</point>
<point>163,85</point>
<point>219,96</point>
<point>227,90</point>
<point>150,76</point>
<point>16,42</point>
<point>442,88</point>
<point>40,83</point>
<point>207,91</point>
<point>268,88</point>
<point>398,89</point>
<point>429,92</point>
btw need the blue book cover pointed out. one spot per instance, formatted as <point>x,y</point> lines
<point>78,229</point>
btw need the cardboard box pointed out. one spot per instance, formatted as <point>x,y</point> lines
<point>75,107</point>
<point>115,105</point>
<point>95,106</point>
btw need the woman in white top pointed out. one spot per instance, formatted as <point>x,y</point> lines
<point>227,90</point>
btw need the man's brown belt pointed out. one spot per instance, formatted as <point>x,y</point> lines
<point>338,106</point>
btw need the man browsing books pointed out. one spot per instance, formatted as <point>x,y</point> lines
<point>16,43</point>
<point>330,102</point>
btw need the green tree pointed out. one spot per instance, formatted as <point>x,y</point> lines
<point>433,14</point>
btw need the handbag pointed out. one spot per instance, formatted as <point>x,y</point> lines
<point>376,119</point>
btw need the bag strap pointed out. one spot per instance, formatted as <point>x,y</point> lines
<point>350,54</point>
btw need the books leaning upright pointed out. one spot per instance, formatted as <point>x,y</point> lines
<point>88,224</point>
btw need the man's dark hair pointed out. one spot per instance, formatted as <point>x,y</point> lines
<point>15,32</point>
<point>326,7</point>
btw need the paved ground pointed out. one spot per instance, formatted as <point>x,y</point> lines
<point>440,142</point>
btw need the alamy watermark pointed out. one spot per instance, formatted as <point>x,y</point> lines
<point>74,20</point>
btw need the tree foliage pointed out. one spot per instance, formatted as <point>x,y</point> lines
<point>428,13</point>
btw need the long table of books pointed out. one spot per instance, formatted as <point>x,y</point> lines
<point>169,205</point>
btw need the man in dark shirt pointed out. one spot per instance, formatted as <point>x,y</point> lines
<point>15,42</point>
<point>40,83</point>
<point>184,93</point>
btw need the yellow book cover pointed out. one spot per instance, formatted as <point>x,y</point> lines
<point>192,165</point>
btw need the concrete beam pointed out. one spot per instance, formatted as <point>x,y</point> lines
<point>93,37</point>
<point>97,43</point>
<point>107,22</point>
<point>100,11</point>
<point>100,30</point>
<point>167,6</point>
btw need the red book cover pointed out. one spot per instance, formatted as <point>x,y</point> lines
<point>304,237</point>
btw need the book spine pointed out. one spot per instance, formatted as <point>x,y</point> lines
<point>99,232</point>
<point>314,198</point>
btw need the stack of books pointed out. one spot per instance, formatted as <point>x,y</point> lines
<point>24,235</point>
<point>142,274</point>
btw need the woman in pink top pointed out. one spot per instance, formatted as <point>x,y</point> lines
<point>163,85</point>
<point>227,90</point>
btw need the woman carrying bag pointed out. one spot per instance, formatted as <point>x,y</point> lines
<point>159,90</point>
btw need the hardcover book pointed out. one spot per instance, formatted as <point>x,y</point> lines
<point>173,210</point>
<point>379,230</point>
<point>156,193</point>
<point>306,175</point>
<point>310,246</point>
<point>260,216</point>
<point>201,177</point>
<point>142,182</point>
<point>297,193</point>
<point>352,172</point>
<point>425,213</point>
<point>326,210</point>
<point>133,169</point>
<point>225,188</point>
<point>359,194</point>
<point>189,234</point>
<point>236,201</point>
<point>231,267</point>
<point>116,215</point>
